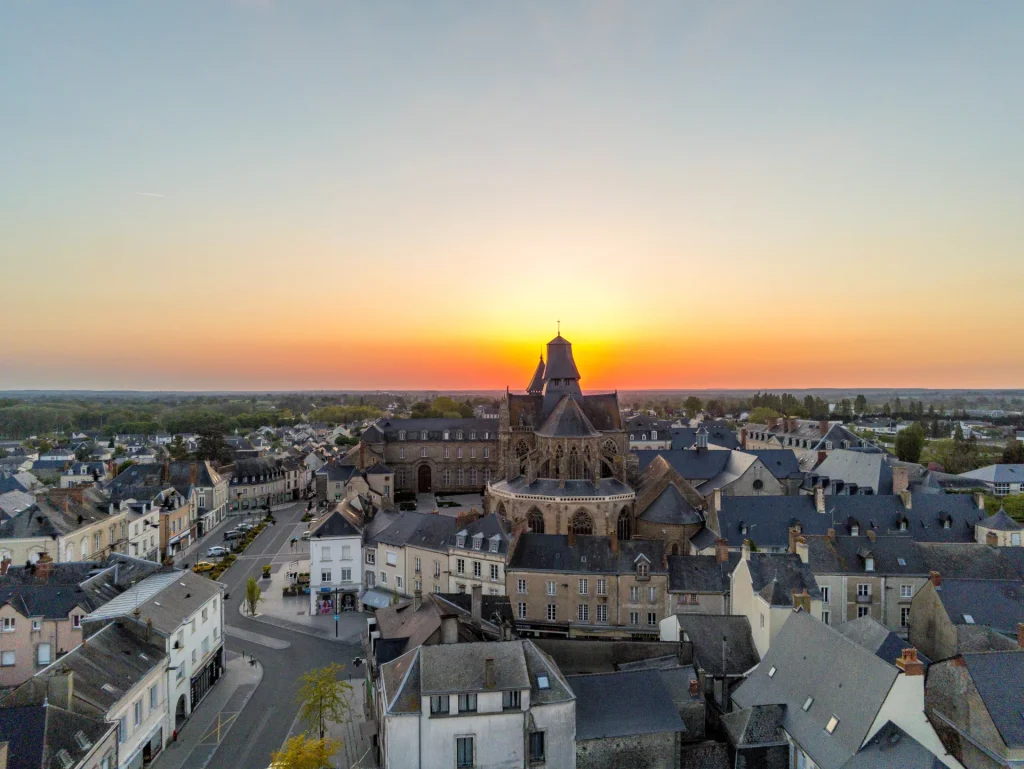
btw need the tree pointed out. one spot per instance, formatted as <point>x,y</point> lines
<point>178,450</point>
<point>253,595</point>
<point>761,415</point>
<point>845,408</point>
<point>323,697</point>
<point>1013,454</point>
<point>123,466</point>
<point>693,405</point>
<point>910,443</point>
<point>211,446</point>
<point>860,404</point>
<point>302,752</point>
<point>958,433</point>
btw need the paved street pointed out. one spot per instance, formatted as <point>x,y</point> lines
<point>265,721</point>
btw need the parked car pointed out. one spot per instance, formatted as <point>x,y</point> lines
<point>202,566</point>
<point>307,534</point>
<point>217,551</point>
<point>233,534</point>
<point>245,527</point>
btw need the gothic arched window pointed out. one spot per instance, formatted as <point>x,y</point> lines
<point>574,464</point>
<point>582,523</point>
<point>535,520</point>
<point>625,525</point>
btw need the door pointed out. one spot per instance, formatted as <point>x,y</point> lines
<point>423,475</point>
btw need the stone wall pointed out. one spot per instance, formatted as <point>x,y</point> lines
<point>645,751</point>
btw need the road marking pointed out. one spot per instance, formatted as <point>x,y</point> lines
<point>256,638</point>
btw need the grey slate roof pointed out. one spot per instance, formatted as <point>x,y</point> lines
<point>997,474</point>
<point>867,471</point>
<point>872,635</point>
<point>893,747</point>
<point>166,598</point>
<point>700,573</point>
<point>593,554</point>
<point>718,435</point>
<point>388,429</point>
<point>847,555</point>
<point>488,528</point>
<point>783,572</point>
<point>623,704</point>
<point>601,409</point>
<point>567,420</point>
<point>782,463</point>
<point>998,604</point>
<point>336,525</point>
<point>706,631</point>
<point>692,464</point>
<point>998,676</point>
<point>1000,521</point>
<point>35,734</point>
<point>455,668</point>
<point>759,725</point>
<point>671,507</point>
<point>845,680</point>
<point>549,487</point>
<point>423,530</point>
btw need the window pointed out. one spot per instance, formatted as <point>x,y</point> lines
<point>325,575</point>
<point>122,729</point>
<point>371,579</point>
<point>510,700</point>
<point>154,693</point>
<point>652,595</point>
<point>826,617</point>
<point>494,545</point>
<point>383,578</point>
<point>906,591</point>
<point>583,613</point>
<point>437,569</point>
<point>398,582</point>
<point>869,564</point>
<point>8,626</point>
<point>423,451</point>
<point>401,435</point>
<point>477,569</point>
<point>602,612</point>
<point>634,594</point>
<point>195,652</point>
<point>137,711</point>
<point>391,558</point>
<point>487,454</point>
<point>863,611</point>
<point>832,724</point>
<point>37,625</point>
<point>418,584</point>
<point>325,553</point>
<point>537,746</point>
<point>467,703</point>
<point>643,570</point>
<point>552,615</point>
<point>551,587</point>
<point>423,435</point>
<point>584,586</point>
<point>826,593</point>
<point>1000,489</point>
<point>863,590</point>
<point>447,453</point>
<point>904,616</point>
<point>439,704</point>
<point>43,654</point>
<point>463,752</point>
<point>460,566</point>
<point>205,614</point>
<point>634,618</point>
<point>417,565</point>
<point>522,610</point>
<point>521,586</point>
<point>458,453</point>
<point>494,572</point>
<point>602,586</point>
<point>652,618</point>
<point>371,557</point>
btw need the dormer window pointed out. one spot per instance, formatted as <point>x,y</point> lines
<point>631,436</point>
<point>446,435</point>
<point>654,435</point>
<point>494,545</point>
<point>643,570</point>
<point>478,540</point>
<point>869,563</point>
<point>423,435</point>
<point>401,435</point>
<point>458,435</point>
<point>460,540</point>
<point>903,524</point>
<point>854,530</point>
<point>487,436</point>
<point>643,436</point>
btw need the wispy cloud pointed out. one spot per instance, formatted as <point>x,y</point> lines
<point>149,194</point>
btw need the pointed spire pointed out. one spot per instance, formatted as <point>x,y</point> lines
<point>536,386</point>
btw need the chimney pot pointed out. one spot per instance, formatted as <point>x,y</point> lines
<point>801,550</point>
<point>909,663</point>
<point>721,550</point>
<point>935,578</point>
<point>694,687</point>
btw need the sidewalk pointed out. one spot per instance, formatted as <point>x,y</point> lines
<point>356,748</point>
<point>213,717</point>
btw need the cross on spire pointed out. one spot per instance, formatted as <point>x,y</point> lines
<point>559,327</point>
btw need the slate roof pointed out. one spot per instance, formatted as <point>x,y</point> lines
<point>671,507</point>
<point>997,474</point>
<point>998,604</point>
<point>489,528</point>
<point>601,409</point>
<point>35,734</point>
<point>379,468</point>
<point>782,463</point>
<point>700,573</point>
<point>759,725</point>
<point>435,427</point>
<point>786,571</point>
<point>549,487</point>
<point>893,747</point>
<point>423,530</point>
<point>867,471</point>
<point>774,515</point>
<point>537,380</point>
<point>706,631</point>
<point>1000,521</point>
<point>718,435</point>
<point>589,554</point>
<point>454,668</point>
<point>623,704</point>
<point>872,635</point>
<point>567,420</point>
<point>166,598</point>
<point>10,483</point>
<point>998,676</point>
<point>336,524</point>
<point>846,555</point>
<point>340,473</point>
<point>28,524</point>
<point>845,680</point>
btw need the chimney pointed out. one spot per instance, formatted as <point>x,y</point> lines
<point>5,564</point>
<point>819,498</point>
<point>1020,635</point>
<point>716,500</point>
<point>979,500</point>
<point>871,535</point>
<point>791,425</point>
<point>794,532</point>
<point>43,567</point>
<point>832,534</point>
<point>60,689</point>
<point>992,539</point>
<point>613,540</point>
<point>449,629</point>
<point>822,456</point>
<point>165,474</point>
<point>909,663</point>
<point>721,550</point>
<point>801,550</point>
<point>935,578</point>
<point>417,600</point>
<point>490,675</point>
<point>477,604</point>
<point>823,427</point>
<point>694,687</point>
<point>802,600</point>
<point>900,480</point>
<point>572,536</point>
<point>745,550</point>
<point>743,438</point>
<point>906,498</point>
<point>193,474</point>
<point>772,422</point>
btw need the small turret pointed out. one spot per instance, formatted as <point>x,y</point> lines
<point>536,386</point>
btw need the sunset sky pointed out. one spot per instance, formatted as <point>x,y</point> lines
<point>308,195</point>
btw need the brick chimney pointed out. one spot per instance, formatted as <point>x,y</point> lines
<point>802,600</point>
<point>721,550</point>
<point>1020,635</point>
<point>716,500</point>
<point>831,534</point>
<point>477,604</point>
<point>44,566</point>
<point>823,427</point>
<point>193,473</point>
<point>801,550</point>
<point>490,675</point>
<point>906,498</point>
<point>935,578</point>
<point>822,456</point>
<point>909,663</point>
<point>900,480</point>
<point>5,564</point>
<point>772,422</point>
<point>819,499</point>
<point>871,535</point>
<point>694,687</point>
<point>743,438</point>
<point>572,536</point>
<point>794,532</point>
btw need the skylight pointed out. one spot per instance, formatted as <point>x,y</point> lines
<point>901,561</point>
<point>968,619</point>
<point>543,682</point>
<point>807,704</point>
<point>82,740</point>
<point>771,673</point>
<point>832,724</point>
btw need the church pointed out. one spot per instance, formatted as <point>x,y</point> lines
<point>566,468</point>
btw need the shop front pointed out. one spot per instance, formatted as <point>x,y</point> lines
<point>207,676</point>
